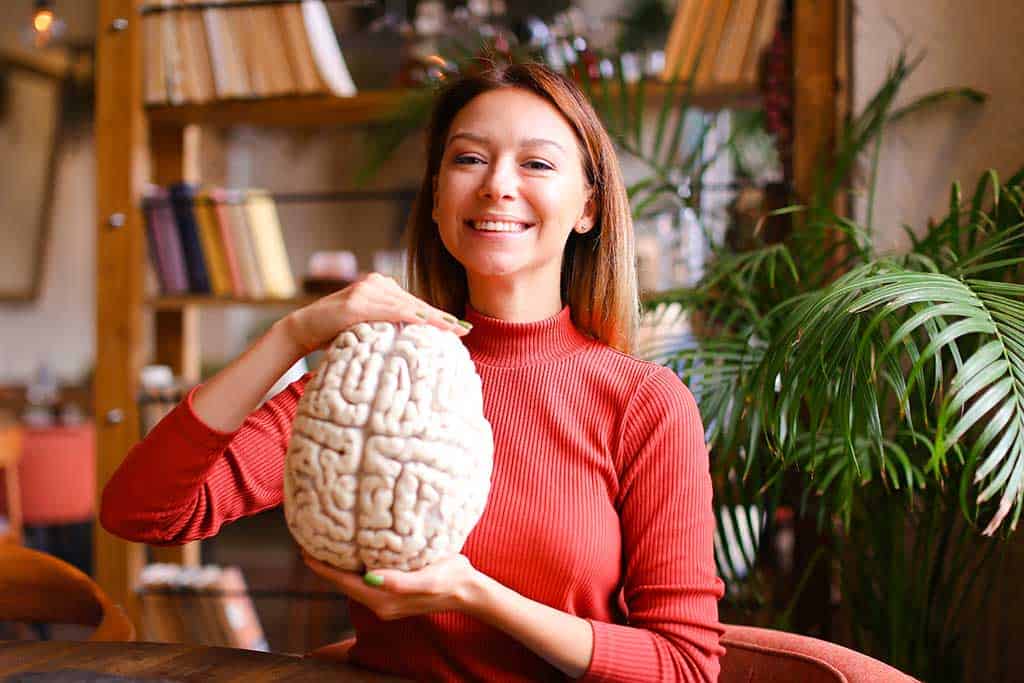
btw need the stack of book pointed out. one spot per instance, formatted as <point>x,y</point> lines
<point>195,51</point>
<point>213,240</point>
<point>720,42</point>
<point>199,605</point>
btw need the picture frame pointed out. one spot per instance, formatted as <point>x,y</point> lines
<point>31,93</point>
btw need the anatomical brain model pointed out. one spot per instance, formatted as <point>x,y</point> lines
<point>389,463</point>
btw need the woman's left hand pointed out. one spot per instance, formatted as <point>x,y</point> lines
<point>444,585</point>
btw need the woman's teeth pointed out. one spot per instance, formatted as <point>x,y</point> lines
<point>498,226</point>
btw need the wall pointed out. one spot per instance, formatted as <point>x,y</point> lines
<point>57,329</point>
<point>981,45</point>
<point>964,44</point>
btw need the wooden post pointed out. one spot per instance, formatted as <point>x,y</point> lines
<point>174,157</point>
<point>816,30</point>
<point>120,254</point>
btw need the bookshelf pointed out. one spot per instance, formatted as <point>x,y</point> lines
<point>138,144</point>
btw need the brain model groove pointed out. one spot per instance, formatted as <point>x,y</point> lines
<point>389,462</point>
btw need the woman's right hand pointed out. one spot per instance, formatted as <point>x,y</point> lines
<point>372,297</point>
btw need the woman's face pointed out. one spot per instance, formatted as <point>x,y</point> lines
<point>510,189</point>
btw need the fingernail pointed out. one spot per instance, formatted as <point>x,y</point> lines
<point>373,579</point>
<point>421,315</point>
<point>449,319</point>
<point>468,325</point>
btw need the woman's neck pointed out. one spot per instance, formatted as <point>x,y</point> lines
<point>517,303</point>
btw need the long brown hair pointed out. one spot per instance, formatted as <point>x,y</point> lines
<point>599,280</point>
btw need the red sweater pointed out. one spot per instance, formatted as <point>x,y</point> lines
<point>600,506</point>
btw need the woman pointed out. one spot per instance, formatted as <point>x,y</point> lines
<point>594,555</point>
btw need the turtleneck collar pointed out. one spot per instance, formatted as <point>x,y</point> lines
<point>507,344</point>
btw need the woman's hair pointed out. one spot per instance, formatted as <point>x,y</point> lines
<point>599,280</point>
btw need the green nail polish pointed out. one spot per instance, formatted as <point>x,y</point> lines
<point>421,315</point>
<point>466,324</point>
<point>373,579</point>
<point>449,319</point>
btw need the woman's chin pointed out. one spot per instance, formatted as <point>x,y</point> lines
<point>495,270</point>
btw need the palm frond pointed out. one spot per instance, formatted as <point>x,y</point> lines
<point>977,323</point>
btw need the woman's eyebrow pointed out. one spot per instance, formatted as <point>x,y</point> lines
<point>528,142</point>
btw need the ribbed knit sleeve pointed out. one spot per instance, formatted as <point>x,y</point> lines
<point>185,480</point>
<point>671,587</point>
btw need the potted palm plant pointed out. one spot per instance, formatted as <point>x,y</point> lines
<point>889,386</point>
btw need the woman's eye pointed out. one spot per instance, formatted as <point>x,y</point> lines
<point>539,166</point>
<point>466,159</point>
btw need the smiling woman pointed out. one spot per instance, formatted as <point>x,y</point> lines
<point>593,557</point>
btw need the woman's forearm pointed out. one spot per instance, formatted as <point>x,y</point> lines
<point>563,640</point>
<point>226,399</point>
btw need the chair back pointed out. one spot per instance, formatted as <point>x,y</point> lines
<point>760,655</point>
<point>37,587</point>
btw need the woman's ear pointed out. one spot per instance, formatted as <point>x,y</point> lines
<point>587,219</point>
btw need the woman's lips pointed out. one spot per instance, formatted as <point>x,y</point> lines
<point>500,227</point>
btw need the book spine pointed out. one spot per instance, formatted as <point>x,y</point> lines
<point>182,197</point>
<point>268,239</point>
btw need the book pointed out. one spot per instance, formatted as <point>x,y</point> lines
<point>236,615</point>
<point>206,605</point>
<point>733,46</point>
<point>227,59</point>
<point>684,39</point>
<point>272,51</point>
<point>161,619</point>
<point>154,84</point>
<point>213,246</point>
<point>218,197</point>
<point>164,241</point>
<point>233,216</point>
<point>268,241</point>
<point>719,13</point>
<point>249,40</point>
<point>768,17</point>
<point>300,57</point>
<point>195,55</point>
<point>326,50</point>
<point>171,51</point>
<point>182,198</point>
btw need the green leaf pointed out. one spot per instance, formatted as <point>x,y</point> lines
<point>939,96</point>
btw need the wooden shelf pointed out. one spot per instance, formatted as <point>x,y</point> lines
<point>373,106</point>
<point>289,110</point>
<point>174,303</point>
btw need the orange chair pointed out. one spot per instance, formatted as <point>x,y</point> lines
<point>10,452</point>
<point>760,655</point>
<point>36,587</point>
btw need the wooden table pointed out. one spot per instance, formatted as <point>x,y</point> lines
<point>46,661</point>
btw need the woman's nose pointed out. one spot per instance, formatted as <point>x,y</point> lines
<point>499,182</point>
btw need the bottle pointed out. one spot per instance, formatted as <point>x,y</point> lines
<point>42,396</point>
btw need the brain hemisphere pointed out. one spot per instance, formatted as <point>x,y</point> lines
<point>389,463</point>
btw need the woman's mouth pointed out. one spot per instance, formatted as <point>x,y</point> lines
<point>498,226</point>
